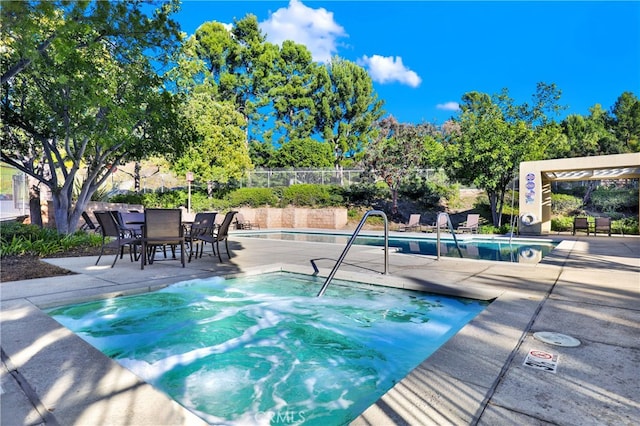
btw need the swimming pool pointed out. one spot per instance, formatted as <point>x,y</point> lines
<point>262,349</point>
<point>501,249</point>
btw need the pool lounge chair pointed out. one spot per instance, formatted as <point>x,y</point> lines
<point>88,223</point>
<point>441,224</point>
<point>470,225</point>
<point>412,225</point>
<point>602,224</point>
<point>242,223</point>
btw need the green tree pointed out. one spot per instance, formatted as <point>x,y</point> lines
<point>347,108</point>
<point>219,151</point>
<point>306,152</point>
<point>80,96</point>
<point>233,65</point>
<point>589,135</point>
<point>292,85</point>
<point>396,152</point>
<point>625,121</point>
<point>494,135</point>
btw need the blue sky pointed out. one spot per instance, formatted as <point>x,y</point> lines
<point>424,55</point>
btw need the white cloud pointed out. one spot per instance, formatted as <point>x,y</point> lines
<point>387,69</point>
<point>314,28</point>
<point>449,106</point>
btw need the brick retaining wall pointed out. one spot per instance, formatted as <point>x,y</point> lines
<point>296,217</point>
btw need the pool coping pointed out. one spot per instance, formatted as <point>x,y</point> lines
<point>438,391</point>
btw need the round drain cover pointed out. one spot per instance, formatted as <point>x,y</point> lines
<point>557,339</point>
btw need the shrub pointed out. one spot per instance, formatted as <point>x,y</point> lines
<point>429,193</point>
<point>628,226</point>
<point>365,194</point>
<point>19,239</point>
<point>131,198</point>
<point>565,203</point>
<point>252,197</point>
<point>309,195</point>
<point>614,200</point>
<point>562,223</point>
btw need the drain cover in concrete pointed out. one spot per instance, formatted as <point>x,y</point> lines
<point>557,339</point>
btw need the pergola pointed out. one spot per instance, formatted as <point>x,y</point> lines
<point>536,178</point>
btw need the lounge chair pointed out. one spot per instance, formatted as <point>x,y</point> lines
<point>162,227</point>
<point>88,223</point>
<point>581,224</point>
<point>413,223</point>
<point>602,224</point>
<point>470,225</point>
<point>221,234</point>
<point>440,224</point>
<point>242,223</point>
<point>113,236</point>
<point>203,224</point>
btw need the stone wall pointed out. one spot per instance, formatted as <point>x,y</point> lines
<point>296,217</point>
<point>49,219</point>
<point>265,217</point>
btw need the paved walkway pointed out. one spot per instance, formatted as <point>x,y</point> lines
<point>588,288</point>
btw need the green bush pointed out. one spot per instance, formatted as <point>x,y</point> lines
<point>365,194</point>
<point>609,200</point>
<point>627,226</point>
<point>252,197</point>
<point>562,223</point>
<point>565,203</point>
<point>310,195</point>
<point>19,239</point>
<point>131,198</point>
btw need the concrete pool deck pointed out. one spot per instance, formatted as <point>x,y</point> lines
<point>588,288</point>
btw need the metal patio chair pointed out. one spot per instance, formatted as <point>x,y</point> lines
<point>162,228</point>
<point>203,224</point>
<point>221,234</point>
<point>114,236</point>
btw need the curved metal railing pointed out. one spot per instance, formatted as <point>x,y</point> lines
<point>350,243</point>
<point>450,226</point>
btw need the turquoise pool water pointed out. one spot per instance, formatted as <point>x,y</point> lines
<point>480,248</point>
<point>264,350</point>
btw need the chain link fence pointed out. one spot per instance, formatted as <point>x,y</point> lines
<point>153,180</point>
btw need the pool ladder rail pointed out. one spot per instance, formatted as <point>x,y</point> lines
<point>350,243</point>
<point>386,244</point>
<point>450,226</point>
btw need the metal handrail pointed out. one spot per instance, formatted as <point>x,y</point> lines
<point>450,226</point>
<point>350,243</point>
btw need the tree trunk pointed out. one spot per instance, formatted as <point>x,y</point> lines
<point>136,177</point>
<point>35,211</point>
<point>61,212</point>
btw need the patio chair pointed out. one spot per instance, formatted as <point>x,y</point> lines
<point>203,224</point>
<point>413,223</point>
<point>162,227</point>
<point>131,222</point>
<point>602,224</point>
<point>221,234</point>
<point>88,223</point>
<point>581,224</point>
<point>440,224</point>
<point>113,236</point>
<point>470,225</point>
<point>242,223</point>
